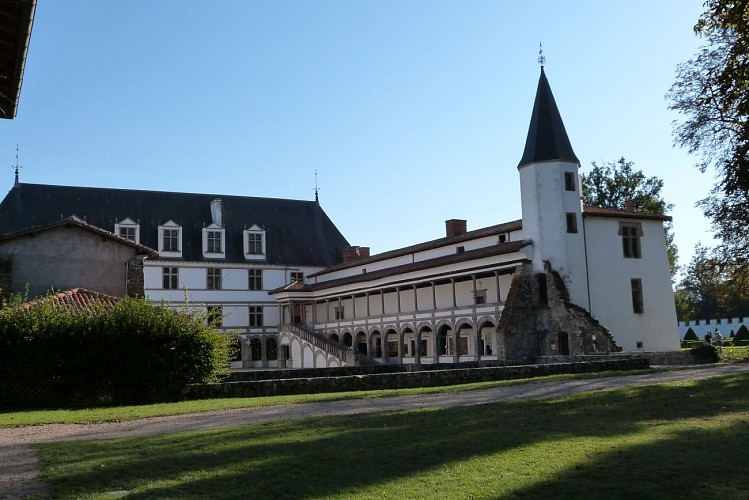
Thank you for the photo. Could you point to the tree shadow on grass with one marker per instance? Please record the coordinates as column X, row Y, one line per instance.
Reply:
column 348, row 455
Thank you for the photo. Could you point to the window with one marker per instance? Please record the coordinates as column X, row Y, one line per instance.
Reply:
column 171, row 278
column 128, row 229
column 214, row 316
column 631, row 234
column 569, row 181
column 169, row 240
column 128, row 233
column 571, row 223
column 214, row 242
column 637, row 303
column 460, row 249
column 502, row 238
column 256, row 316
column 254, row 243
column 255, row 279
column 338, row 312
column 480, row 297
column 213, row 279
column 297, row 276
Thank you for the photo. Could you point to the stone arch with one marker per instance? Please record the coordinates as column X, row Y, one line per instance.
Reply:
column 487, row 336
column 376, row 343
column 256, row 349
column 320, row 360
column 271, row 349
column 307, row 357
column 463, row 342
column 296, row 354
column 424, row 325
column 444, row 340
column 361, row 342
column 334, row 338
column 348, row 339
column 391, row 335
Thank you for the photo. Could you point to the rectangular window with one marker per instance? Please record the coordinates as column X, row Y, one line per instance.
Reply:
column 171, row 237
column 213, row 279
column 128, row 233
column 214, row 242
column 214, row 316
column 637, row 303
column 297, row 276
column 571, row 223
column 569, row 181
column 338, row 312
column 460, row 249
column 480, row 297
column 256, row 316
column 631, row 240
column 171, row 278
column 255, row 279
column 254, row 243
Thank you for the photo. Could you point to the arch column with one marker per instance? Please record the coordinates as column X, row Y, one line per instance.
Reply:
column 456, row 345
column 263, row 352
column 452, row 284
column 400, row 338
column 417, row 353
column 416, row 299
column 434, row 295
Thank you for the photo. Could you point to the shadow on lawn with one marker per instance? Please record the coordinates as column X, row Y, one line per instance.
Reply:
column 343, row 455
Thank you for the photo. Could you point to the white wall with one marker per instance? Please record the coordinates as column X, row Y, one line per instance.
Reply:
column 610, row 285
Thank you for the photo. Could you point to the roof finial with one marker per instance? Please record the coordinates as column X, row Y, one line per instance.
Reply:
column 18, row 167
column 317, row 189
column 541, row 58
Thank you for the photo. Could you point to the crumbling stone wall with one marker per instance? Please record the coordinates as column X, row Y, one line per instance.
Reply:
column 539, row 320
column 135, row 281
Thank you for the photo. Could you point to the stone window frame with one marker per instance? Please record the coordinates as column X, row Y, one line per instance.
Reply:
column 254, row 242
column 569, row 181
column 631, row 233
column 214, row 233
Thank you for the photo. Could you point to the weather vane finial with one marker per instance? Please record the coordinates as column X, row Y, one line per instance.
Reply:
column 317, row 189
column 18, row 167
column 541, row 58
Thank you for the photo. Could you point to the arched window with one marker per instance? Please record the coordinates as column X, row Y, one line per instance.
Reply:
column 271, row 349
column 256, row 350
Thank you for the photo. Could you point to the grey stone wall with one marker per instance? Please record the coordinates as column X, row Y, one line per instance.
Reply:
column 6, row 276
column 539, row 320
column 425, row 378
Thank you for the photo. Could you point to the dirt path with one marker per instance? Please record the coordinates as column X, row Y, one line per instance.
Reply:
column 19, row 467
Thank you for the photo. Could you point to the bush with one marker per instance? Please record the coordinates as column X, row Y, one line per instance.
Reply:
column 706, row 353
column 134, row 352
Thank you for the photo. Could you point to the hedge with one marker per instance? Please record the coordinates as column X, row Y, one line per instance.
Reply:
column 130, row 353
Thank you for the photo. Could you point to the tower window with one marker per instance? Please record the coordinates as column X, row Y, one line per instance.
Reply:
column 630, row 234
column 637, row 302
column 569, row 181
column 571, row 223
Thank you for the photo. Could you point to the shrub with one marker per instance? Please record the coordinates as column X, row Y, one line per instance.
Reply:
column 706, row 353
column 132, row 352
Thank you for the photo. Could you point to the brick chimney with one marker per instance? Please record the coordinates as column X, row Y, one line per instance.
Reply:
column 363, row 252
column 455, row 227
column 629, row 205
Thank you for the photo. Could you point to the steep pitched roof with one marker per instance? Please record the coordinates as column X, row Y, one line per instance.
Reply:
column 297, row 232
column 547, row 139
column 75, row 221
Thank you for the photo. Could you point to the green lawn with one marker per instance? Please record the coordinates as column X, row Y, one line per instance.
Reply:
column 678, row 440
column 122, row 413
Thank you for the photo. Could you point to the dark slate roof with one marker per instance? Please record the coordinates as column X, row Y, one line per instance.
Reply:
column 547, row 140
column 75, row 221
column 297, row 232
column 428, row 245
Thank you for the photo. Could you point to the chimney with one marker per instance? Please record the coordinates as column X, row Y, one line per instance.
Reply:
column 455, row 227
column 216, row 212
column 629, row 206
column 355, row 253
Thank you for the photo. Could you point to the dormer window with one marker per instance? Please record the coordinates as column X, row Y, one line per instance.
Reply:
column 254, row 243
column 214, row 243
column 128, row 229
column 170, row 239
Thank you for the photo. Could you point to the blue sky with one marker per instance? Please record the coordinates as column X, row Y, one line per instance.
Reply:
column 411, row 112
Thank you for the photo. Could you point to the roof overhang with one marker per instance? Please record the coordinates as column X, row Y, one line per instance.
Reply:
column 16, row 21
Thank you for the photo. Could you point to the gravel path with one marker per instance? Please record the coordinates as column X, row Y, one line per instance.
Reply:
column 19, row 466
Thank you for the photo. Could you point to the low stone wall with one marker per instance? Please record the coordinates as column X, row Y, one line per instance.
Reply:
column 673, row 358
column 403, row 380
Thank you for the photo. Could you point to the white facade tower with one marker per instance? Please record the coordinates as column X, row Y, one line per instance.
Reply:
column 551, row 197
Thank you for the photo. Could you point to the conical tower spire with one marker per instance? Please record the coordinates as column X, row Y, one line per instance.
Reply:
column 547, row 139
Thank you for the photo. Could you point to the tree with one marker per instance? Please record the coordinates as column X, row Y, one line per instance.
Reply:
column 712, row 287
column 613, row 184
column 712, row 91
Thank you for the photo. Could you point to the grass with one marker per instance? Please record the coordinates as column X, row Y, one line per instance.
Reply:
column 124, row 413
column 677, row 440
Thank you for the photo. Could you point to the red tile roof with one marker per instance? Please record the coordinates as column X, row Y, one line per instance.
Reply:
column 613, row 212
column 77, row 298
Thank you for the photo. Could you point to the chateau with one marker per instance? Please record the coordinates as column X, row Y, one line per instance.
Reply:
column 563, row 280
